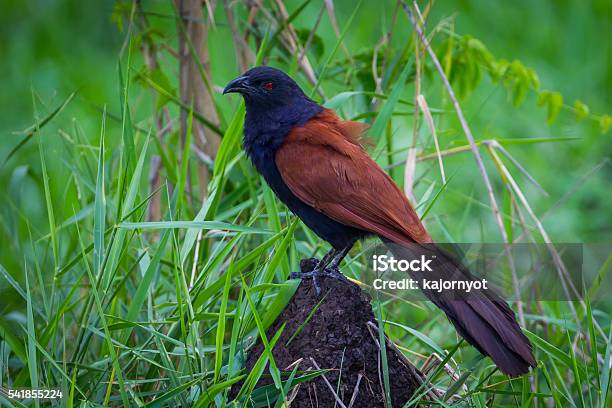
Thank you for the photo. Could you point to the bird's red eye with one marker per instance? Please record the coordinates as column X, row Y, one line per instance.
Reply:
column 268, row 86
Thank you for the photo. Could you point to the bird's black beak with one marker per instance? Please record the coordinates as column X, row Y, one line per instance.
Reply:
column 239, row 85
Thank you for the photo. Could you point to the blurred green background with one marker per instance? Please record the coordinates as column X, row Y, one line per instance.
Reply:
column 51, row 48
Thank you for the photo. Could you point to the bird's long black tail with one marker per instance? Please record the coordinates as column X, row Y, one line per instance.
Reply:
column 483, row 318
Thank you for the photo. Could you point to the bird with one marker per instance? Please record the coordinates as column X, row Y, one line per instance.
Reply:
column 316, row 164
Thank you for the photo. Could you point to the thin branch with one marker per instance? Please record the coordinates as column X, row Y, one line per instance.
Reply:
column 468, row 135
column 149, row 52
column 196, row 254
column 429, row 120
column 389, row 34
column 409, row 174
column 244, row 54
column 515, row 281
column 432, row 393
column 336, row 397
column 377, row 78
column 518, row 165
column 311, row 35
column 329, row 5
column 194, row 81
column 410, row 169
column 461, row 117
column 355, row 391
column 563, row 273
column 556, row 258
column 292, row 42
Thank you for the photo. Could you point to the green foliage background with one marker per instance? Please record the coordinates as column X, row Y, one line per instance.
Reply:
column 56, row 48
column 51, row 49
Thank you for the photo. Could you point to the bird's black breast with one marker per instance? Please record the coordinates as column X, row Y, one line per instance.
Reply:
column 261, row 148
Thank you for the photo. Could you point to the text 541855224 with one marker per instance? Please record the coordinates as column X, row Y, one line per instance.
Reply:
column 33, row 393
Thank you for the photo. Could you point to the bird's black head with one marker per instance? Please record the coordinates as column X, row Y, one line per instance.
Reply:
column 266, row 87
column 275, row 104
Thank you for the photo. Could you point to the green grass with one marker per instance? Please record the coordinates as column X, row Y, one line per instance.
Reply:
column 117, row 309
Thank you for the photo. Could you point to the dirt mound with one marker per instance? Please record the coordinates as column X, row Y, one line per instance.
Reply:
column 337, row 335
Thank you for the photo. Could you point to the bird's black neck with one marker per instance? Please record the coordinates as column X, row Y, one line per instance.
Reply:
column 265, row 128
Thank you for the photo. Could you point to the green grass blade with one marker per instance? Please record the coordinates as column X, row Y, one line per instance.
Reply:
column 335, row 49
column 601, row 277
column 266, row 47
column 185, row 159
column 211, row 392
column 435, row 198
column 107, row 334
column 577, row 377
column 221, row 326
column 199, row 225
column 6, row 333
column 31, row 332
column 100, row 205
column 422, row 337
column 49, row 205
column 259, row 366
column 162, row 400
column 280, row 254
column 551, row 350
column 32, row 130
column 274, row 371
column 134, row 185
column 310, row 315
column 606, row 375
column 144, row 284
column 386, row 112
column 382, row 340
column 127, row 134
column 201, row 118
column 592, row 341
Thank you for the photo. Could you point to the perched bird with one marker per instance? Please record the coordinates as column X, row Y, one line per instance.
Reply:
column 314, row 163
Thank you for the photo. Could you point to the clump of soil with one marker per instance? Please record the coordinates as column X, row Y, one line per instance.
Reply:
column 337, row 336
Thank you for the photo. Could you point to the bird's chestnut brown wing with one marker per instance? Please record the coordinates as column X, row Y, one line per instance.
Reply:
column 332, row 173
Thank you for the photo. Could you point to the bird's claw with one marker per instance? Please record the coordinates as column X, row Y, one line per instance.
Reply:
column 309, row 275
column 314, row 274
column 334, row 272
column 331, row 273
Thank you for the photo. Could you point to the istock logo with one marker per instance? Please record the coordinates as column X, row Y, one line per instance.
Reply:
column 385, row 263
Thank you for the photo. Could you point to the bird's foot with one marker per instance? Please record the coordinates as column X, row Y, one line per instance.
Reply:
column 334, row 272
column 330, row 273
column 309, row 270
